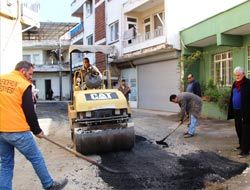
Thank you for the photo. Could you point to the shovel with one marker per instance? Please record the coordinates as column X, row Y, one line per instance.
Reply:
column 161, row 142
column 84, row 157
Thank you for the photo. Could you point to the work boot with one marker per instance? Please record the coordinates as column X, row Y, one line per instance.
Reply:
column 58, row 185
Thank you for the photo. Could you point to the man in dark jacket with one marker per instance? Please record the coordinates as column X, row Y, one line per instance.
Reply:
column 239, row 110
column 193, row 86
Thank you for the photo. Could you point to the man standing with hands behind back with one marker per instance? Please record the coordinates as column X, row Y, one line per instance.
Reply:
column 239, row 110
column 17, row 119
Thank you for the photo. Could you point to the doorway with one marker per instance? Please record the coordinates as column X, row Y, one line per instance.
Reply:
column 47, row 88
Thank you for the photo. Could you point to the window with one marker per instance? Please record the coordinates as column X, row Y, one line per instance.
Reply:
column 133, row 20
column 89, row 8
column 131, row 29
column 114, row 31
column 90, row 39
column 248, row 62
column 27, row 58
column 147, row 28
column 158, row 20
column 158, row 24
column 36, row 59
column 222, row 68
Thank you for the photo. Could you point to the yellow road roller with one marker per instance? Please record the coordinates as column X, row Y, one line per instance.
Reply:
column 100, row 117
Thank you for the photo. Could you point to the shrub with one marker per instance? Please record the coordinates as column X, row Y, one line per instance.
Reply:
column 220, row 95
column 224, row 98
column 212, row 94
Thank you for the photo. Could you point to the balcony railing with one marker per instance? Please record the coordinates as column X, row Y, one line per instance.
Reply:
column 134, row 38
column 32, row 6
column 77, row 30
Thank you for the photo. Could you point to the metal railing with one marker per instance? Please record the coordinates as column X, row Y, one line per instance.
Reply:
column 139, row 38
column 31, row 6
column 77, row 30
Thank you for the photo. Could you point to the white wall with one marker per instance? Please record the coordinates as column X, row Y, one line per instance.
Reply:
column 40, row 84
column 113, row 13
column 182, row 14
column 10, row 44
column 89, row 24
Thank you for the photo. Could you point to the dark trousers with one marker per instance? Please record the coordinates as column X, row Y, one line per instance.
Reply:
column 243, row 131
column 238, row 124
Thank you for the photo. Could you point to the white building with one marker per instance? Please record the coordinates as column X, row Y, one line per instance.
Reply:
column 15, row 17
column 42, row 47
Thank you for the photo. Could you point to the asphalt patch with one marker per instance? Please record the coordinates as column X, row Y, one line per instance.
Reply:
column 150, row 167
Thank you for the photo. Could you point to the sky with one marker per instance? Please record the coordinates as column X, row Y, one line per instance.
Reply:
column 56, row 11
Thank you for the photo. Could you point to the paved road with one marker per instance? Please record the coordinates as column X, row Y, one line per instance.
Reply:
column 187, row 163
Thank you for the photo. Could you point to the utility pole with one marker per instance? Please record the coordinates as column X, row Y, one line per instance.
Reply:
column 60, row 69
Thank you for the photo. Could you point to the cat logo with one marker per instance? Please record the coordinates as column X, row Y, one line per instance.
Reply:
column 101, row 96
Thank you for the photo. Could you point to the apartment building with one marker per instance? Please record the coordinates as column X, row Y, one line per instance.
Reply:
column 47, row 48
column 146, row 35
column 15, row 17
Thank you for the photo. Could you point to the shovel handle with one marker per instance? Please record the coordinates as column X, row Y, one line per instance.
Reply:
column 83, row 157
column 179, row 124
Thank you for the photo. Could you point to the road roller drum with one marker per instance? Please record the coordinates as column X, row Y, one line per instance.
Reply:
column 100, row 141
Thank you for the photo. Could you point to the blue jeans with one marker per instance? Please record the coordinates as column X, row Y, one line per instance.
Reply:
column 193, row 124
column 24, row 142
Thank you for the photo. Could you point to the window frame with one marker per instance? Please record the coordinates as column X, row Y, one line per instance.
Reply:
column 88, row 38
column 89, row 8
column 113, row 34
column 147, row 35
column 26, row 56
column 223, row 61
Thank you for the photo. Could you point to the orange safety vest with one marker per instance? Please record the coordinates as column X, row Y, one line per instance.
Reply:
column 12, row 87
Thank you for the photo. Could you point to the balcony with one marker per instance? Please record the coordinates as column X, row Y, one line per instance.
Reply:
column 140, row 5
column 30, row 14
column 142, row 40
column 77, row 8
column 77, row 30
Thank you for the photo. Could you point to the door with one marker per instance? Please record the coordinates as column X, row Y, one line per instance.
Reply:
column 132, row 24
column 47, row 88
column 156, row 82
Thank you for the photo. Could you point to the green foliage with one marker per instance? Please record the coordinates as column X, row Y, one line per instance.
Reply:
column 188, row 61
column 191, row 59
column 212, row 94
column 224, row 99
column 203, row 88
column 221, row 95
